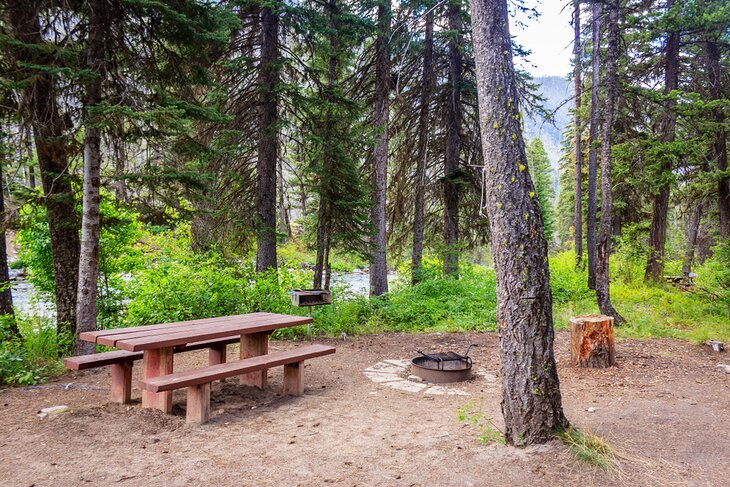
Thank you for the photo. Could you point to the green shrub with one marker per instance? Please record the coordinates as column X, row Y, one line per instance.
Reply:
column 566, row 282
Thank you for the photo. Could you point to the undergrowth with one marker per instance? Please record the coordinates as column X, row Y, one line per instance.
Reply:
column 588, row 448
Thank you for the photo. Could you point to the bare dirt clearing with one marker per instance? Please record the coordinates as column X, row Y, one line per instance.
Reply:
column 664, row 410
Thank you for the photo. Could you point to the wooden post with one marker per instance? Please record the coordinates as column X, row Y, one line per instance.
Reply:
column 198, row 405
column 591, row 341
column 122, row 382
column 294, row 379
column 254, row 345
column 157, row 362
column 217, row 355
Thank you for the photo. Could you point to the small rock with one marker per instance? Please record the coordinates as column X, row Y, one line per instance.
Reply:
column 414, row 378
column 591, row 410
column 716, row 345
column 724, row 367
column 53, row 411
column 443, row 435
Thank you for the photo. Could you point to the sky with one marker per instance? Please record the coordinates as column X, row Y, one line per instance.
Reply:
column 549, row 37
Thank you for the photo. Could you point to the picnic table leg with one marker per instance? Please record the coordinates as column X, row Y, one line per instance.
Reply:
column 157, row 362
column 122, row 382
column 254, row 345
column 217, row 355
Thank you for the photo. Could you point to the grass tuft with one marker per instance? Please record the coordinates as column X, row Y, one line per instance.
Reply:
column 588, row 448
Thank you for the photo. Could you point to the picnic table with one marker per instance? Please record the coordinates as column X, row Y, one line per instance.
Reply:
column 158, row 343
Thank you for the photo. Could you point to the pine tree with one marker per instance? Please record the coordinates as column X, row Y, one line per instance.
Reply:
column 541, row 173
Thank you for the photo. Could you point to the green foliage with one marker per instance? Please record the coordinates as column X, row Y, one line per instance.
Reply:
column 567, row 283
column 118, row 256
column 472, row 414
column 588, row 448
column 177, row 284
column 541, row 172
column 34, row 356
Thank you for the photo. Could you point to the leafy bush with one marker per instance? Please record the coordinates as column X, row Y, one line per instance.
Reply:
column 34, row 356
column 177, row 284
column 567, row 282
column 120, row 229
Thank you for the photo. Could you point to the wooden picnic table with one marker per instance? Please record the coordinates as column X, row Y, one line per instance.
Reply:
column 158, row 341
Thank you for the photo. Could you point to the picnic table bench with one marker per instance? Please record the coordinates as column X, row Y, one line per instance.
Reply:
column 157, row 344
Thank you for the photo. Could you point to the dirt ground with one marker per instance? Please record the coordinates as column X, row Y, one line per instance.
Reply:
column 665, row 410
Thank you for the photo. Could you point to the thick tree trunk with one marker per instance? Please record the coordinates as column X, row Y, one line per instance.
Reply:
column 603, row 250
column 577, row 137
column 91, row 221
column 531, row 402
column 658, row 230
column 379, row 266
column 714, row 75
column 593, row 141
column 6, row 296
column 53, row 147
column 423, row 119
column 693, row 227
column 453, row 144
column 268, row 143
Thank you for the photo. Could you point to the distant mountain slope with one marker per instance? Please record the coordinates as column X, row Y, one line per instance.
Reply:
column 556, row 90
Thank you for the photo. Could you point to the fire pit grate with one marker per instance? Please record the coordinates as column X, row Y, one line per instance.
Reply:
column 443, row 367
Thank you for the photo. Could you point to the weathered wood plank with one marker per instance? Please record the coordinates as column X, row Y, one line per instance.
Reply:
column 212, row 373
column 174, row 339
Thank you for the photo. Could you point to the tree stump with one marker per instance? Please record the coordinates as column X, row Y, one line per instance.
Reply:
column 591, row 341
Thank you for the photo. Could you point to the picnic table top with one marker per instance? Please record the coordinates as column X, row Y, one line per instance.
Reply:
column 163, row 335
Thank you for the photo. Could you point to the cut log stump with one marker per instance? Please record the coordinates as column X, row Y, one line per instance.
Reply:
column 591, row 341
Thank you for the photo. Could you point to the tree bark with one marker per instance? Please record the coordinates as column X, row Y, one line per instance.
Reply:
column 592, row 342
column 268, row 143
column 453, row 144
column 714, row 75
column 324, row 214
column 577, row 137
column 379, row 266
column 658, row 230
column 593, row 142
column 603, row 250
column 120, row 164
column 284, row 227
column 6, row 296
column 693, row 227
column 86, row 308
column 531, row 402
column 423, row 119
column 54, row 148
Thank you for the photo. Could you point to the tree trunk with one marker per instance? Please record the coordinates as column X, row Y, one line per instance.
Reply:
column 419, row 206
column 29, row 157
column 593, row 141
column 453, row 144
column 379, row 266
column 603, row 251
column 531, row 402
column 268, row 143
column 714, row 74
column 120, row 163
column 693, row 227
column 284, row 227
column 592, row 342
column 6, row 296
column 91, row 221
column 53, row 147
column 577, row 136
column 658, row 230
